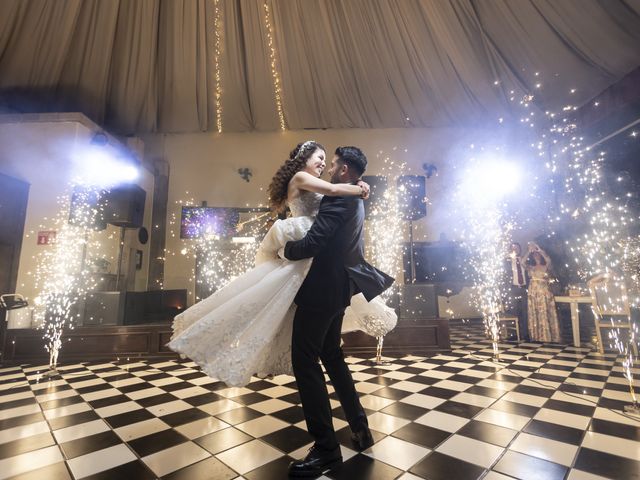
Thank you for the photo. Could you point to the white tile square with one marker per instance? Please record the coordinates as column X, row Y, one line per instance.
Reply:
column 79, row 431
column 271, row 405
column 366, row 387
column 126, row 382
column 249, row 456
column 552, row 450
column 424, row 401
column 261, row 426
column 145, row 393
column 397, row 375
column 396, row 452
column 14, row 396
column 233, row 392
column 189, row 392
column 473, row 399
column 56, row 395
column 580, row 475
column 613, row 445
column 174, row 458
column 563, row 418
column 201, row 427
column 384, row 423
column 169, row 407
column 471, row 450
column 503, row 419
column 19, row 411
column 442, row 421
column 26, row 462
column 107, row 392
column 117, row 409
column 606, row 414
column 141, row 429
column 374, row 402
column 100, row 460
column 436, row 374
column 23, row 431
column 219, row 406
column 525, row 399
column 496, row 384
column 409, row 386
column 161, row 382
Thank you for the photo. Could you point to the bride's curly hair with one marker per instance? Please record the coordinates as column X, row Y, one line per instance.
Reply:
column 280, row 181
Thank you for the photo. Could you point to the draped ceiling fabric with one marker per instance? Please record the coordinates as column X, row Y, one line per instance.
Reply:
column 148, row 65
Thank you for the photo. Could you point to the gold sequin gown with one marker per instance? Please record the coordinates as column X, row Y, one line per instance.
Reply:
column 542, row 316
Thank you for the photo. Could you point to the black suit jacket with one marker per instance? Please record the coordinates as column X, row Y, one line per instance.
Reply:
column 338, row 271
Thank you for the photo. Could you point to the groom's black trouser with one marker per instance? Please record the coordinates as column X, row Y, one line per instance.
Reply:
column 316, row 334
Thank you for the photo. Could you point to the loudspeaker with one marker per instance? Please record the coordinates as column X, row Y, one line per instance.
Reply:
column 412, row 196
column 104, row 308
column 419, row 301
column 378, row 186
column 125, row 206
column 87, row 208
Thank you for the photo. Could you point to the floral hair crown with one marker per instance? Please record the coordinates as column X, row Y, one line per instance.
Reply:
column 303, row 147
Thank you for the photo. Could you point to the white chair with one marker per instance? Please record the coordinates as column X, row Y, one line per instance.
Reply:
column 610, row 305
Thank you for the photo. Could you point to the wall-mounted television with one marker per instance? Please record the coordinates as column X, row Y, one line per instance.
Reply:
column 196, row 222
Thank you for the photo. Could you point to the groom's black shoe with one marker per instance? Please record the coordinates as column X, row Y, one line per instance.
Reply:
column 362, row 438
column 316, row 462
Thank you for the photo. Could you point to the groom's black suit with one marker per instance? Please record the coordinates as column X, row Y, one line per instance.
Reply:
column 338, row 271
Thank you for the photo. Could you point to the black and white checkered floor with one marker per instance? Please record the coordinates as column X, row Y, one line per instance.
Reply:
column 549, row 412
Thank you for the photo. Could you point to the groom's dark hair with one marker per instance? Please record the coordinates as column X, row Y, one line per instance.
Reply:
column 353, row 158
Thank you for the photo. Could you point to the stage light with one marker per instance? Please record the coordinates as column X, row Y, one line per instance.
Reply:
column 100, row 167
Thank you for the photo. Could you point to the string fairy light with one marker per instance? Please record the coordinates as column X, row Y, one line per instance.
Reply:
column 216, row 61
column 275, row 74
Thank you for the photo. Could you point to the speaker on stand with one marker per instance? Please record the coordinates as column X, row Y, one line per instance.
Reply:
column 378, row 185
column 125, row 209
column 412, row 198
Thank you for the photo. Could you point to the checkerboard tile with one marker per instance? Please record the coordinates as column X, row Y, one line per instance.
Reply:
column 549, row 410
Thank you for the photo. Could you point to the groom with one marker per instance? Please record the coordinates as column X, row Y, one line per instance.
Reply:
column 338, row 271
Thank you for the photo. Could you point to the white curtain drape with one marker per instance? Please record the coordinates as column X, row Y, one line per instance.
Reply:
column 148, row 65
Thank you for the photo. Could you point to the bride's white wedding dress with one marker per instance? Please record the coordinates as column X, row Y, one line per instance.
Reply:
column 244, row 329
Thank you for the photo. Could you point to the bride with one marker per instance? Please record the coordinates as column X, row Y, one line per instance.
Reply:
column 244, row 329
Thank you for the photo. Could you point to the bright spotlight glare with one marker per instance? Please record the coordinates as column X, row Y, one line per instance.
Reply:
column 492, row 180
column 97, row 167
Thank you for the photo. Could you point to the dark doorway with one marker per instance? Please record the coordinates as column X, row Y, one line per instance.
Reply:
column 14, row 194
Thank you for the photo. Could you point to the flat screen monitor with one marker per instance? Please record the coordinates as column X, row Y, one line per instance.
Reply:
column 196, row 222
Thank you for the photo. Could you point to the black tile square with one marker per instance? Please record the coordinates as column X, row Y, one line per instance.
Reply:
column 18, row 403
column 516, row 408
column 251, row 398
column 615, row 429
column 156, row 442
column 173, row 387
column 361, row 467
column 570, row 407
column 288, row 439
column 553, row 431
column 21, row 420
column 519, row 465
column 291, row 398
column 238, row 415
column 27, row 444
column 423, row 380
column 537, row 391
column 378, row 380
column 465, row 379
column 260, row 385
column 422, row 435
column 184, row 416
column 439, row 392
column 61, row 402
column 134, row 387
column 459, row 409
column 92, row 443
column 487, row 432
column 128, row 418
column 275, row 470
column 344, row 437
column 222, row 440
column 207, row 469
column 94, row 388
column 156, row 400
column 203, row 399
column 606, row 465
column 404, row 410
column 70, row 420
column 391, row 393
column 438, row 466
column 108, row 401
column 485, row 391
column 292, row 414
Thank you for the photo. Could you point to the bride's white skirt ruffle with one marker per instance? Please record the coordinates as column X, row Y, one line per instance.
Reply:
column 245, row 328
